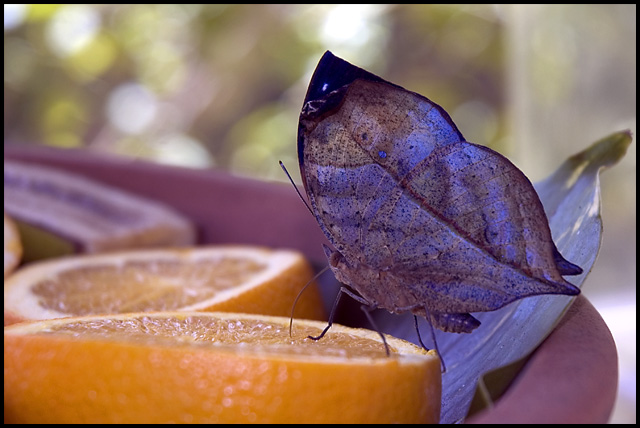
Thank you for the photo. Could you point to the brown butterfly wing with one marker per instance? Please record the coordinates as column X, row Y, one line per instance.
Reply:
column 420, row 217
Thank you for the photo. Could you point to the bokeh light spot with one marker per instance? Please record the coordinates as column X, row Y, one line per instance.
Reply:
column 94, row 59
column 349, row 24
column 182, row 150
column 131, row 108
column 72, row 28
column 63, row 122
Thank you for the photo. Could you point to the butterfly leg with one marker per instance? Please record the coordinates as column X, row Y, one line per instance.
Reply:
column 415, row 323
column 366, row 308
column 433, row 337
column 333, row 311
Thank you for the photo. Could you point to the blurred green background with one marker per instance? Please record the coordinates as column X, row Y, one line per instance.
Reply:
column 222, row 86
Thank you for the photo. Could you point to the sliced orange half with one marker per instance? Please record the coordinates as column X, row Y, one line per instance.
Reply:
column 12, row 246
column 212, row 367
column 214, row 278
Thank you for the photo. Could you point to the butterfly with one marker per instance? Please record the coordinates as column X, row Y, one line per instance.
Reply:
column 420, row 219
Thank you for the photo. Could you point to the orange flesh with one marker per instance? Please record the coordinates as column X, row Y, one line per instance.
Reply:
column 158, row 285
column 229, row 333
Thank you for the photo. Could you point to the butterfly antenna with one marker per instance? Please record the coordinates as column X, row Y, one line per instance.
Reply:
column 296, row 187
column 293, row 308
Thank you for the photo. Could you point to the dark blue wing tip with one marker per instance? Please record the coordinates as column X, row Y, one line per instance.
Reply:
column 333, row 73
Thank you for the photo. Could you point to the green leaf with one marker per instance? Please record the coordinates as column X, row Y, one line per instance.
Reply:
column 571, row 197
